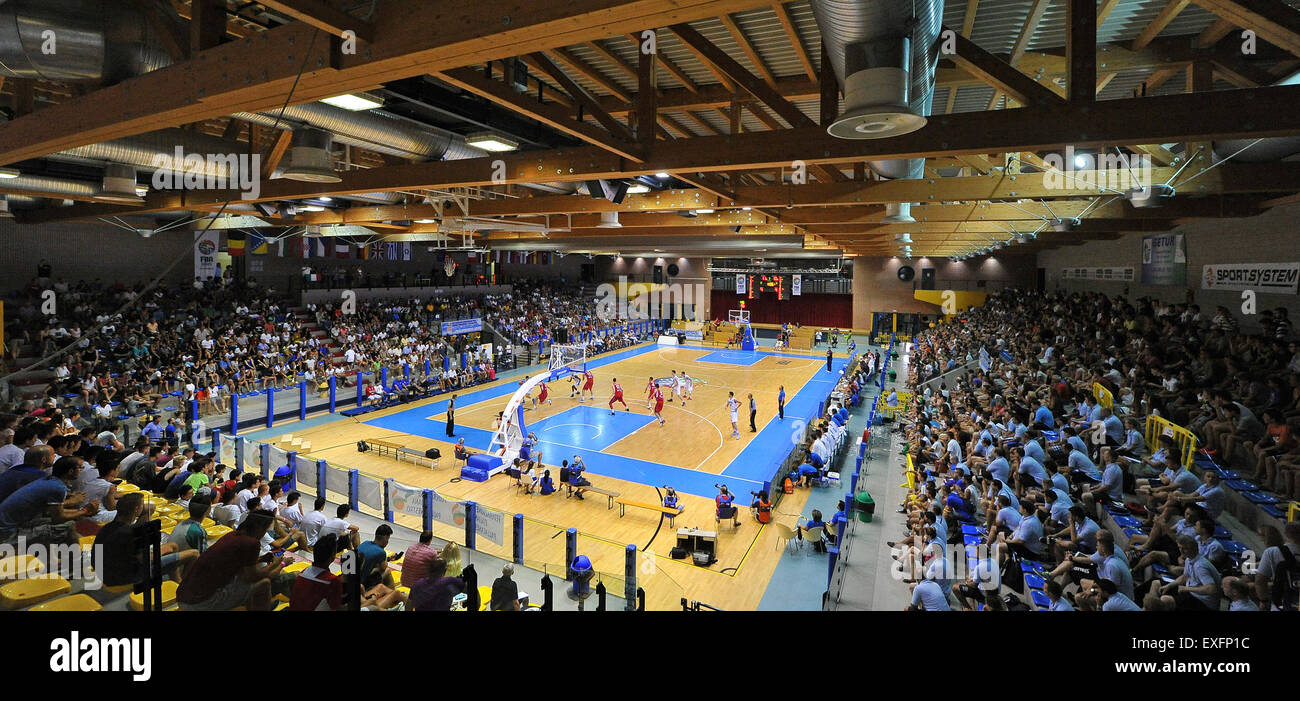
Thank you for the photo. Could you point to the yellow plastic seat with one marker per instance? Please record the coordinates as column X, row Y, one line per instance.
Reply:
column 86, row 541
column 207, row 523
column 484, row 597
column 296, row 567
column 16, row 567
column 127, row 488
column 168, row 597
column 74, row 602
column 216, row 532
column 173, row 511
column 25, row 592
column 168, row 525
column 281, row 606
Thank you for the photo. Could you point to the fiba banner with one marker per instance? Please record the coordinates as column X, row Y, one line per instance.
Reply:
column 740, row 284
column 205, row 253
column 796, row 285
column 455, row 328
column 1164, row 260
column 1273, row 278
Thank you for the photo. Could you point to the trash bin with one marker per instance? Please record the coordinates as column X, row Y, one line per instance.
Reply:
column 893, row 375
column 582, row 573
column 866, row 506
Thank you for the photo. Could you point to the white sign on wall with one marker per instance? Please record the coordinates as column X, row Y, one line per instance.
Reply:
column 1275, row 278
column 796, row 285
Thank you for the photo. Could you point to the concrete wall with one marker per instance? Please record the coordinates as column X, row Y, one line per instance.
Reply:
column 1269, row 237
column 876, row 287
column 89, row 250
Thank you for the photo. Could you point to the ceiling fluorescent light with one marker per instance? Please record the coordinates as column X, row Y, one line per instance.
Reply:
column 488, row 141
column 9, row 173
column 353, row 103
column 704, row 211
column 638, row 189
column 311, row 208
column 425, row 221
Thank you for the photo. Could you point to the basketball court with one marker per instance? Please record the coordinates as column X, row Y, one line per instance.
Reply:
column 627, row 453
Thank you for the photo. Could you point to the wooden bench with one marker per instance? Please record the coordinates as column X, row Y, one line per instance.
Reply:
column 400, row 452
column 668, row 511
column 588, row 488
column 385, row 447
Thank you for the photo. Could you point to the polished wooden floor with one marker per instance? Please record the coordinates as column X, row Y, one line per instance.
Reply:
column 696, row 436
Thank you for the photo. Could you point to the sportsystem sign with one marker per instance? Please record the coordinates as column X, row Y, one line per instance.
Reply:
column 1273, row 278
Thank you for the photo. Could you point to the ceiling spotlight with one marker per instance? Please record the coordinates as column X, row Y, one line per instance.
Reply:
column 354, row 103
column 1081, row 162
column 1150, row 197
column 489, row 141
column 662, row 175
column 745, row 209
column 325, row 199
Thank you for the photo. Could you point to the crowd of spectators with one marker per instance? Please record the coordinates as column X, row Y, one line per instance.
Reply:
column 1023, row 471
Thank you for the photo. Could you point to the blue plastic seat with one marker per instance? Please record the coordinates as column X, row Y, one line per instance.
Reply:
column 1034, row 581
column 1260, row 497
column 972, row 540
column 1127, row 522
column 1130, row 532
column 1040, row 599
column 1242, row 485
column 1273, row 511
column 971, row 530
column 1222, row 533
column 1232, row 547
column 1031, row 566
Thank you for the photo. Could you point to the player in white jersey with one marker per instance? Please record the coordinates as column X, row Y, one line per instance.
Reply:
column 733, row 408
column 687, row 387
column 575, row 387
column 672, row 384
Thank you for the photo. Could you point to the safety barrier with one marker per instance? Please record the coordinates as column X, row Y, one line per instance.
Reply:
column 1183, row 438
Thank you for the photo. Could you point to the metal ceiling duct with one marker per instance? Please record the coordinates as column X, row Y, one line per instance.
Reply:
column 119, row 184
column 898, row 213
column 42, row 186
column 147, row 152
column 370, row 130
column 310, row 157
column 79, row 40
column 884, row 53
column 609, row 220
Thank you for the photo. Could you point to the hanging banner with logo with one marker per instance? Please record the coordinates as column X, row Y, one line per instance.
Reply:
column 491, row 525
column 1164, row 260
column 455, row 328
column 205, row 253
column 406, row 500
column 796, row 285
column 1271, row 278
column 740, row 284
column 451, row 513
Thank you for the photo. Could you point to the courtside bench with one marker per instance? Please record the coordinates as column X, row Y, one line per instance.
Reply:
column 668, row 511
column 401, row 452
column 588, row 488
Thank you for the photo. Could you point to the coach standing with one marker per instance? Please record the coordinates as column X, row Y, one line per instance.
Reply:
column 451, row 416
column 829, row 353
column 753, row 411
column 780, row 403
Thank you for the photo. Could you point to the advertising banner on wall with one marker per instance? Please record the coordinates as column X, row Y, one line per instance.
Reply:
column 1164, row 260
column 205, row 253
column 454, row 328
column 1271, row 278
column 1124, row 274
column 796, row 285
column 740, row 284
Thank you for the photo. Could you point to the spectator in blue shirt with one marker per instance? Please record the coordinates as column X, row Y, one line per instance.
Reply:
column 43, row 511
column 1111, row 487
column 1043, row 417
column 1080, row 534
column 1057, row 602
column 1113, row 426
column 1027, row 539
column 152, row 430
column 1112, row 599
column 928, row 596
column 374, row 559
column 1072, row 439
column 999, row 467
column 37, row 462
column 1033, row 471
column 1079, row 462
column 1034, row 449
column 1007, row 519
column 1209, row 495
column 1196, row 589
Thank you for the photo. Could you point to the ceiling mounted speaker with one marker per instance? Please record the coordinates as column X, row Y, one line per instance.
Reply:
column 310, row 157
column 673, row 270
column 609, row 220
column 876, row 77
column 906, row 273
column 119, row 185
column 903, row 238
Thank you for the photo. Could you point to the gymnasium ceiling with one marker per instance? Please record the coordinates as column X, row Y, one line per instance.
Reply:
column 737, row 94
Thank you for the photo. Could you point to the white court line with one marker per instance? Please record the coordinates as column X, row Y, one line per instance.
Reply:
column 599, row 430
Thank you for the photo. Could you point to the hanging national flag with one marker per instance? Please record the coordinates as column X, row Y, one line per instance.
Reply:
column 363, row 252
column 281, row 248
column 235, row 243
column 256, row 244
column 342, row 250
column 390, row 250
column 406, row 251
column 319, row 248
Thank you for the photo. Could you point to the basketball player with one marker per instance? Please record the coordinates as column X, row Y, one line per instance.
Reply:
column 682, row 379
column 650, row 388
column 618, row 397
column 672, row 384
column 575, row 386
column 542, row 395
column 733, row 408
column 589, row 381
column 658, row 397
column 690, row 385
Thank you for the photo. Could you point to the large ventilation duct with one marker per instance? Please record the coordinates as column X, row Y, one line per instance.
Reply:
column 372, row 131
column 41, row 186
column 884, row 54
column 78, row 40
column 149, row 152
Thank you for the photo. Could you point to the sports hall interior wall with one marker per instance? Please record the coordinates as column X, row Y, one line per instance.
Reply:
column 87, row 250
column 876, row 287
column 1268, row 237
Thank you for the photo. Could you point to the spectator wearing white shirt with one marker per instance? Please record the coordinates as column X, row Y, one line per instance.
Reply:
column 348, row 534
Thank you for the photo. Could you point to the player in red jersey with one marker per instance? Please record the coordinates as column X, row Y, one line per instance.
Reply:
column 618, row 397
column 659, row 404
column 589, row 381
column 542, row 395
column 650, row 388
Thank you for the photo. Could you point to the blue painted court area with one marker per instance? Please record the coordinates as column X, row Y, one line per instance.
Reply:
column 586, row 426
column 593, row 428
column 732, row 357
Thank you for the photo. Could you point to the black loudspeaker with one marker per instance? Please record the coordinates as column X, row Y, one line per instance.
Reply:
column 659, row 275
column 927, row 278
column 673, row 270
column 432, row 453
column 906, row 273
